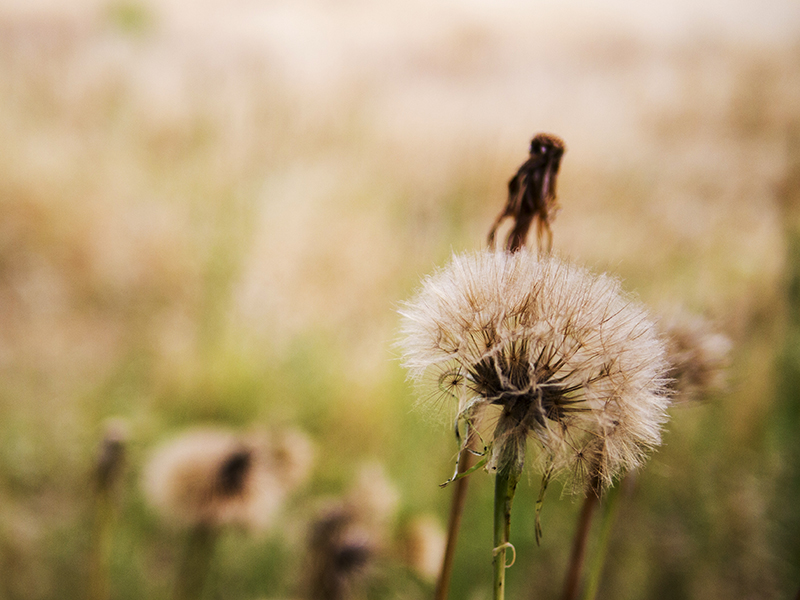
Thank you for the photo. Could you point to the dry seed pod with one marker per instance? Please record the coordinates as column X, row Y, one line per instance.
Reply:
column 349, row 535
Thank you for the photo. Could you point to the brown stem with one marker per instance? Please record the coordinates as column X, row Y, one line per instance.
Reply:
column 454, row 523
column 576, row 559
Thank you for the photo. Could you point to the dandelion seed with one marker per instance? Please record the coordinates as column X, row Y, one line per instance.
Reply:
column 561, row 355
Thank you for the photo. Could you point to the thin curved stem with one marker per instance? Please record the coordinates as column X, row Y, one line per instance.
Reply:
column 466, row 462
column 101, row 545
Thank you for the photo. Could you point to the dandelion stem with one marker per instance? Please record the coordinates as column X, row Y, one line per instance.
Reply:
column 610, row 506
column 460, row 486
column 505, row 485
column 101, row 545
column 575, row 569
column 107, row 474
column 453, row 526
column 196, row 560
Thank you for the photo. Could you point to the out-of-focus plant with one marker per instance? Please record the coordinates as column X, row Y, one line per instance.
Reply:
column 108, row 470
column 348, row 535
column 209, row 479
column 697, row 358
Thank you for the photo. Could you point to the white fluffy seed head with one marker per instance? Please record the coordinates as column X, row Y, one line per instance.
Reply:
column 562, row 353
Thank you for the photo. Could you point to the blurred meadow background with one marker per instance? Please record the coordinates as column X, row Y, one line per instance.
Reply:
column 210, row 212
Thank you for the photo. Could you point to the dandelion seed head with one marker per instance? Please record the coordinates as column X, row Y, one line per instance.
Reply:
column 698, row 356
column 373, row 496
column 562, row 355
column 216, row 477
column 289, row 453
column 341, row 553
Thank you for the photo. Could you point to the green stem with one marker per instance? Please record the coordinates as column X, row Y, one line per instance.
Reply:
column 106, row 481
column 101, row 546
column 196, row 561
column 505, row 485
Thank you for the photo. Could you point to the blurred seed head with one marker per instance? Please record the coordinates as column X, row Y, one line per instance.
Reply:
column 215, row 477
column 289, row 453
column 423, row 545
column 341, row 551
column 348, row 535
column 372, row 497
column 698, row 356
column 562, row 354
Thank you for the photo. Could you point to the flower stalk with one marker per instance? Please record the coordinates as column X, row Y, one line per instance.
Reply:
column 578, row 554
column 610, row 507
column 108, row 471
column 460, row 487
column 102, row 530
column 504, row 488
column 193, row 570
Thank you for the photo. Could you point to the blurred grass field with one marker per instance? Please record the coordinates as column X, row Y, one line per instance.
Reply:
column 210, row 212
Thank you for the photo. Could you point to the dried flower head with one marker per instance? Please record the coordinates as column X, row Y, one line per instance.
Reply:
column 532, row 194
column 215, row 477
column 697, row 355
column 561, row 353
